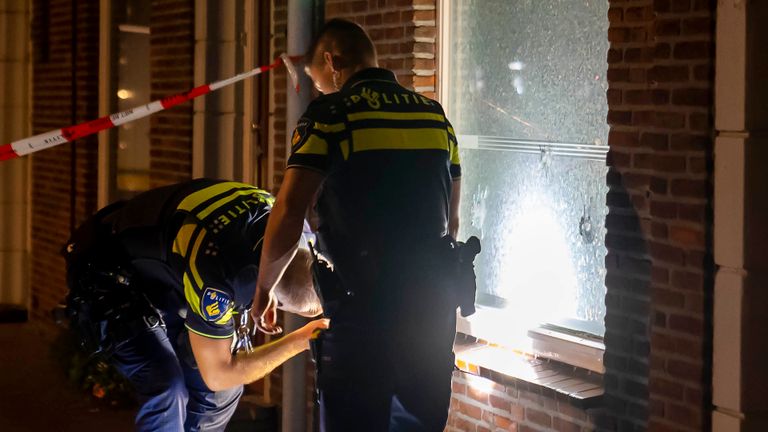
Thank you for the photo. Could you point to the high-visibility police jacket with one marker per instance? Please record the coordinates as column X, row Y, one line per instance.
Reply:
column 199, row 239
column 388, row 155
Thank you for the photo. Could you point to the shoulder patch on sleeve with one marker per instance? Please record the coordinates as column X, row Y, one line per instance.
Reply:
column 301, row 133
column 214, row 304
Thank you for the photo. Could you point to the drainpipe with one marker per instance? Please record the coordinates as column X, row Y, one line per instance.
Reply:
column 294, row 371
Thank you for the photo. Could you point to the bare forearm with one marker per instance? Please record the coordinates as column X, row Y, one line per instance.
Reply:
column 245, row 368
column 280, row 242
column 255, row 365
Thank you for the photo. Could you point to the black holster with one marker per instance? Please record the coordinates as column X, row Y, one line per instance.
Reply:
column 465, row 284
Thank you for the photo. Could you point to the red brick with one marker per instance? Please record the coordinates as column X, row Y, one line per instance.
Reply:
column 619, row 117
column 680, row 5
column 654, row 141
column 669, row 73
column 477, row 395
column 693, row 50
column 615, row 14
column 671, row 164
column 500, row 403
column 665, row 387
column 424, row 15
column 690, row 188
column 686, row 236
column 614, row 96
column 698, row 25
column 665, row 297
column 662, row 51
column 538, row 417
column 504, row 423
column 686, row 280
column 669, row 27
column 617, row 75
column 692, row 97
column 562, row 425
column 685, row 415
column 642, row 13
column 686, row 371
column 669, row 120
column 692, row 212
column 665, row 252
column 688, row 142
column 470, row 410
column 700, row 122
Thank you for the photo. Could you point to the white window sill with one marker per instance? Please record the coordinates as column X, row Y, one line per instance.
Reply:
column 497, row 328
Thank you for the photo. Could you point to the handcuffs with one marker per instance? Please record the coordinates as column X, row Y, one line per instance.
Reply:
column 242, row 341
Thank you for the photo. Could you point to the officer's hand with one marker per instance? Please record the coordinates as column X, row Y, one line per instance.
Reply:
column 264, row 312
column 311, row 330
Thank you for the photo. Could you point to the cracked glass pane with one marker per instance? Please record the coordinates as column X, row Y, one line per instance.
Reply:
column 526, row 95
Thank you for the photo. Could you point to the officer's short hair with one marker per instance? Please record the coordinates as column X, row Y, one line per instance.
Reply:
column 345, row 38
column 295, row 292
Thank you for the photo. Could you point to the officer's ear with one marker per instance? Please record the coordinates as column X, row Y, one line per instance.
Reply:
column 334, row 61
column 328, row 60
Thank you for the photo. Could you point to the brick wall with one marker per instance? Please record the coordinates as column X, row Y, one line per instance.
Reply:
column 404, row 33
column 172, row 71
column 51, row 109
column 484, row 406
column 659, row 228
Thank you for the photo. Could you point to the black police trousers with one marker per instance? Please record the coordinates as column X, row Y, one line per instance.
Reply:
column 387, row 361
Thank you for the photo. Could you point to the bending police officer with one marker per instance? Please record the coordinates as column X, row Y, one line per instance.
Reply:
column 159, row 283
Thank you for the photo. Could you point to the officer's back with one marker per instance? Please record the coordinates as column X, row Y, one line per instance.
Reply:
column 382, row 164
column 387, row 152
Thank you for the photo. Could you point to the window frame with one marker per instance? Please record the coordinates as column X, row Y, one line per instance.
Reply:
column 564, row 347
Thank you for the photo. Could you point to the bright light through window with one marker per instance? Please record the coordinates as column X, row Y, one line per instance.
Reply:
column 526, row 93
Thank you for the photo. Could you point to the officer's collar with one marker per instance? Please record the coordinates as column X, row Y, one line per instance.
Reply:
column 370, row 74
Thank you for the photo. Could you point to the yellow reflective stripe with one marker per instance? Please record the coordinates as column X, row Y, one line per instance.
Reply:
column 400, row 139
column 190, row 293
column 314, row 145
column 371, row 115
column 225, row 319
column 193, row 259
column 345, row 149
column 229, row 198
column 324, row 127
column 207, row 335
column 183, row 237
column 195, row 199
column 455, row 154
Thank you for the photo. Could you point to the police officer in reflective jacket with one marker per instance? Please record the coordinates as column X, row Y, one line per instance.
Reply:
column 379, row 166
column 161, row 284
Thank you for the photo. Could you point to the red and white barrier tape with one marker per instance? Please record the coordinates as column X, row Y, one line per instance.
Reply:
column 53, row 138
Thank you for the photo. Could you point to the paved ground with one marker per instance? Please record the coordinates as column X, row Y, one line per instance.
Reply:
column 36, row 396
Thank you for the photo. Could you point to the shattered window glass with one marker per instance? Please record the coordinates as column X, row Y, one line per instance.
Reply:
column 526, row 95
